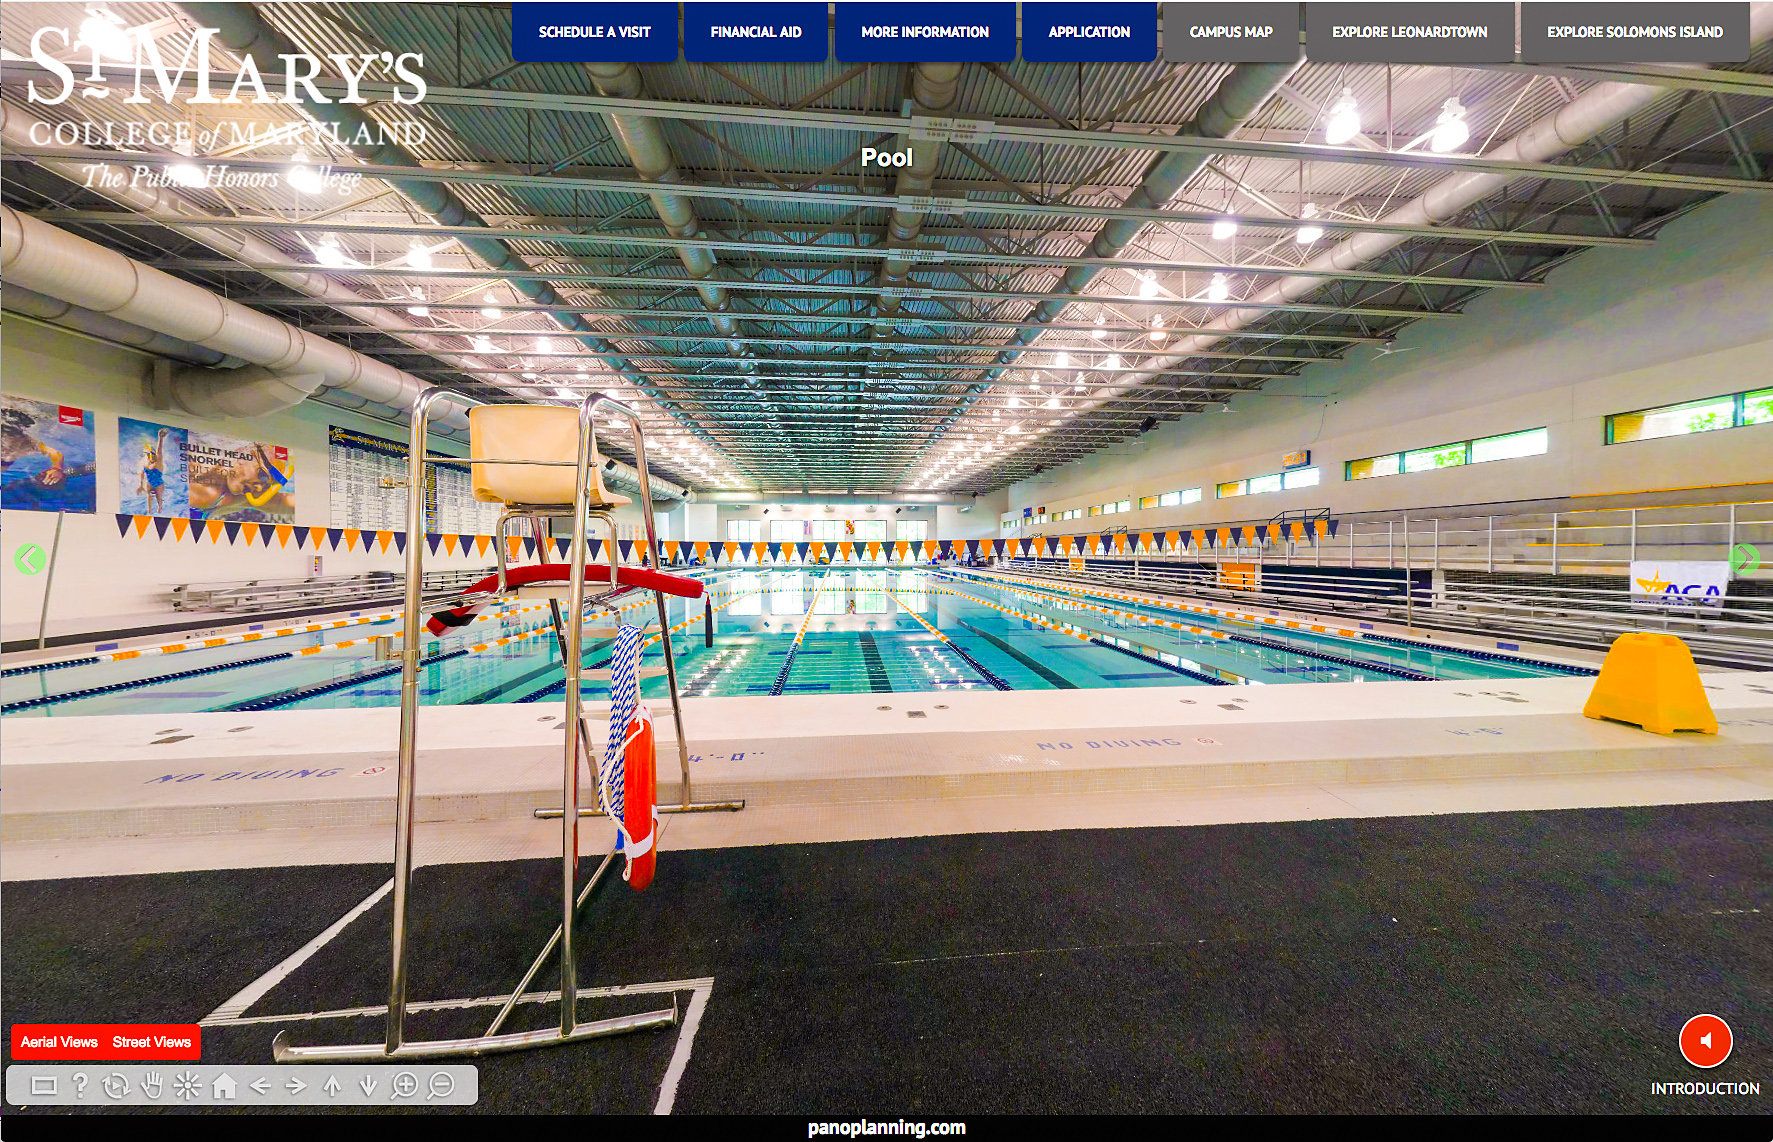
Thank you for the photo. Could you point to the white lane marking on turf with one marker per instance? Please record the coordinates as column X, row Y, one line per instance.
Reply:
column 255, row 991
column 706, row 983
column 686, row 1038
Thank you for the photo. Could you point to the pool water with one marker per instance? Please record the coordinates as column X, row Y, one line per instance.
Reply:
column 859, row 632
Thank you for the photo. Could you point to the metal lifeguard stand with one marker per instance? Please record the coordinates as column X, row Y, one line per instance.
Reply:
column 588, row 500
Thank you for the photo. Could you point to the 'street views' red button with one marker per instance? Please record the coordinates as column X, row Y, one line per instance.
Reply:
column 1706, row 1041
column 120, row 1041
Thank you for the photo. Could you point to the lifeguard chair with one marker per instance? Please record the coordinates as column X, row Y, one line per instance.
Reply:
column 541, row 462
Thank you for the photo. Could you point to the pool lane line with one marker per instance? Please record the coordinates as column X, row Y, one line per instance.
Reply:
column 1250, row 640
column 1198, row 676
column 196, row 644
column 156, row 679
column 781, row 682
column 1316, row 628
column 996, row 682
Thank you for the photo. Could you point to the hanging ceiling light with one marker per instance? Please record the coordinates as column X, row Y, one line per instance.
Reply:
column 419, row 310
column 1223, row 229
column 1308, row 233
column 1158, row 332
column 1344, row 122
column 304, row 177
column 566, row 394
column 102, row 31
column 1450, row 130
column 484, row 345
column 188, row 175
column 544, row 345
column 1099, row 332
column 1111, row 362
column 1219, row 289
column 1052, row 402
column 489, row 310
column 327, row 253
column 1062, row 361
column 1148, row 285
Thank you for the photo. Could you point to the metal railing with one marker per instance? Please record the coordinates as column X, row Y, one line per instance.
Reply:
column 1586, row 612
column 252, row 596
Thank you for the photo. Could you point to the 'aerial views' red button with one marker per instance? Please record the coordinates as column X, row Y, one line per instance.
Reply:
column 106, row 1041
column 1706, row 1041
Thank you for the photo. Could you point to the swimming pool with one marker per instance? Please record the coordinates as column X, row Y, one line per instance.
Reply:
column 813, row 631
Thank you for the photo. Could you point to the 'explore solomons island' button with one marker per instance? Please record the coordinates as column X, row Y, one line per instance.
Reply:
column 121, row 1041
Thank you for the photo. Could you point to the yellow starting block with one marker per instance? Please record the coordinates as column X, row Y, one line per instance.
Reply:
column 1649, row 680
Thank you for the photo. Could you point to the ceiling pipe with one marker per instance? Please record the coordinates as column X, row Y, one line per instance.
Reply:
column 934, row 89
column 644, row 139
column 51, row 261
column 242, row 30
column 46, row 260
column 1575, row 123
column 228, row 394
column 40, row 306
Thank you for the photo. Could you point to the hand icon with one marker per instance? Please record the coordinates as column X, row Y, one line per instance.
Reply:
column 151, row 1084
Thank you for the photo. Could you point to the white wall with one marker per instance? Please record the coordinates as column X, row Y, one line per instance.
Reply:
column 1613, row 331
column 100, row 574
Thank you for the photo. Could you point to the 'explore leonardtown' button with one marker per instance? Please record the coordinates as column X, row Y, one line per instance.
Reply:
column 110, row 1041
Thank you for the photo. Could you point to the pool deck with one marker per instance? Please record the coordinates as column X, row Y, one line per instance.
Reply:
column 84, row 796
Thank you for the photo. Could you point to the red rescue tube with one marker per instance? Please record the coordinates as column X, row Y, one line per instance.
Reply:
column 641, row 577
column 640, row 821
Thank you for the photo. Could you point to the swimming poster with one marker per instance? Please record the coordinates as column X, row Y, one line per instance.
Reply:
column 178, row 472
column 47, row 461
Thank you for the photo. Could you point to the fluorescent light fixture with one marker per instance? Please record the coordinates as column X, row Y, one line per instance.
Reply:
column 189, row 175
column 304, row 177
column 1224, row 228
column 102, row 31
column 1308, row 233
column 1344, row 122
column 1450, row 130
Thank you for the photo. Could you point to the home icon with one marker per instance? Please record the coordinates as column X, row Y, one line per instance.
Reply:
column 224, row 1087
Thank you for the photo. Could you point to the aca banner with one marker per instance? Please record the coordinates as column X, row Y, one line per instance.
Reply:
column 1680, row 583
column 48, row 459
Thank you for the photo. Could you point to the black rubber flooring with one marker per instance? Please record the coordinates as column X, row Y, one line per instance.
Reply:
column 1506, row 962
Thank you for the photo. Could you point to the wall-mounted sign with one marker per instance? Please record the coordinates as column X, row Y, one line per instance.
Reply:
column 1027, row 513
column 48, row 457
column 1293, row 460
column 167, row 471
column 1680, row 583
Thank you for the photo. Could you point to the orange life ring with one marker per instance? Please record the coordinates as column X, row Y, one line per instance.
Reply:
column 640, row 819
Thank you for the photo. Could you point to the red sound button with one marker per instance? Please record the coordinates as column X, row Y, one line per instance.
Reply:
column 1706, row 1041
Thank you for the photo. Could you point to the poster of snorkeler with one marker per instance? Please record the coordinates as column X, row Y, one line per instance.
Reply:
column 47, row 461
column 176, row 472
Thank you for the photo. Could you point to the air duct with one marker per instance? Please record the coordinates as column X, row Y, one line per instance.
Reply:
column 224, row 394
column 47, row 260
column 934, row 89
column 30, row 303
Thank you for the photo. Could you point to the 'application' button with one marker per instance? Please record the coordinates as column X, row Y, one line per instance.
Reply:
column 44, row 1041
column 1706, row 1041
